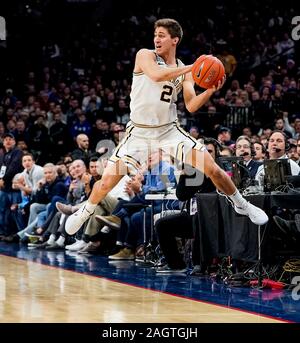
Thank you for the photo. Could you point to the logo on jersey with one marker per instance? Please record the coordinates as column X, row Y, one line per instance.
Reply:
column 178, row 83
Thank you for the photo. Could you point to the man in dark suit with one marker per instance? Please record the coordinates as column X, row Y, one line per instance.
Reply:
column 10, row 165
column 245, row 149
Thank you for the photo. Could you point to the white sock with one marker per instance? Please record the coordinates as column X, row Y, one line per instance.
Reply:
column 60, row 241
column 237, row 199
column 51, row 239
column 90, row 207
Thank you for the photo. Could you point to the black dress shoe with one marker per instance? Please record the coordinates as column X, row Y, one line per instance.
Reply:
column 24, row 240
column 39, row 245
column 54, row 246
column 288, row 227
column 12, row 239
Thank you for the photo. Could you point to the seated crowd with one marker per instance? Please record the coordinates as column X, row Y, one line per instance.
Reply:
column 36, row 200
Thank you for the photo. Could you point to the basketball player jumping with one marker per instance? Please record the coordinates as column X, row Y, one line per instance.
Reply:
column 158, row 77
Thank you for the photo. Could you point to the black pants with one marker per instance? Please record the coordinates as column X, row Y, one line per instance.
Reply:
column 167, row 229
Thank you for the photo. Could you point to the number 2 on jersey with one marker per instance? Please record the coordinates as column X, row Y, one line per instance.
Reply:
column 166, row 94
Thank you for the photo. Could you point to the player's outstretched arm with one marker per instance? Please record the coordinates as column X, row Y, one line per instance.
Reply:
column 145, row 62
column 192, row 101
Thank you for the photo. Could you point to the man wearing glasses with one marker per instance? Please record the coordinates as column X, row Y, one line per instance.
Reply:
column 245, row 149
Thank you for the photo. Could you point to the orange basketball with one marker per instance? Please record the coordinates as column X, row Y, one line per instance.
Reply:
column 207, row 71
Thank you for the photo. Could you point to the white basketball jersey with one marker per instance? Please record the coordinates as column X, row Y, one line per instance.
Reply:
column 154, row 103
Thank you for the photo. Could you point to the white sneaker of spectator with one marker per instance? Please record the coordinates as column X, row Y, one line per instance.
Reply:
column 70, row 246
column 67, row 247
column 105, row 229
column 78, row 246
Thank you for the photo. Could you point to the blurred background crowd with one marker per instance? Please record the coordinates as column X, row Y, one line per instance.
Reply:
column 66, row 68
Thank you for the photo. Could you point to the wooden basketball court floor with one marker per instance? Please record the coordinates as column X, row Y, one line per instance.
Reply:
column 38, row 286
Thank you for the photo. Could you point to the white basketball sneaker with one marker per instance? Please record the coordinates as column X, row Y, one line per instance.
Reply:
column 256, row 214
column 76, row 220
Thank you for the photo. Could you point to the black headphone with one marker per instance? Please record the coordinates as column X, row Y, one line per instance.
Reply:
column 215, row 143
column 252, row 150
column 287, row 144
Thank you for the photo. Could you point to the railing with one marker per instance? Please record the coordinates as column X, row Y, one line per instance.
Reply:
column 236, row 118
column 239, row 117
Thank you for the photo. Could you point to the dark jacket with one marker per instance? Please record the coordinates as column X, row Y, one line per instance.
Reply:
column 80, row 154
column 49, row 190
column 252, row 167
column 12, row 160
column 85, row 156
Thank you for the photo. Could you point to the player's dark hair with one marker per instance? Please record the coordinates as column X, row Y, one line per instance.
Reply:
column 173, row 27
